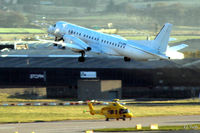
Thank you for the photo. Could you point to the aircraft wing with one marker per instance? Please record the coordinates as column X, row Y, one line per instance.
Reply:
column 178, row 47
column 149, row 51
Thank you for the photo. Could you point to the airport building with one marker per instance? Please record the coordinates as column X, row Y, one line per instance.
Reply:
column 102, row 78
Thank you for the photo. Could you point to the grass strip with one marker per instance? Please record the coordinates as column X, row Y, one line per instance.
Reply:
column 21, row 30
column 161, row 128
column 13, row 114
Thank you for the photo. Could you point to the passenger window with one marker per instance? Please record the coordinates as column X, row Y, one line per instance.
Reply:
column 105, row 41
column 97, row 39
column 111, row 111
column 121, row 111
column 110, row 42
column 83, row 35
column 113, row 43
column 79, row 34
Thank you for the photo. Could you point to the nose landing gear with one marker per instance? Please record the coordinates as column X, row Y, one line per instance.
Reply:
column 82, row 57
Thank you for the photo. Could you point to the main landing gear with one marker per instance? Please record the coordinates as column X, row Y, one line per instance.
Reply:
column 82, row 57
column 127, row 59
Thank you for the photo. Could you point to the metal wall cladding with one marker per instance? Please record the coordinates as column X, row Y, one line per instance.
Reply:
column 70, row 76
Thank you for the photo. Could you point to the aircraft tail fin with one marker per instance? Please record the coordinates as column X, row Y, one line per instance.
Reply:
column 161, row 40
column 92, row 112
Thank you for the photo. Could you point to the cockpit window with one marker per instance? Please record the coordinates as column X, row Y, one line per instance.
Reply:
column 123, row 111
column 54, row 25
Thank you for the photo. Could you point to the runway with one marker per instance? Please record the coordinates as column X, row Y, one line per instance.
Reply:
column 77, row 126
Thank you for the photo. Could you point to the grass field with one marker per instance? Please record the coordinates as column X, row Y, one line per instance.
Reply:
column 11, row 114
column 21, row 30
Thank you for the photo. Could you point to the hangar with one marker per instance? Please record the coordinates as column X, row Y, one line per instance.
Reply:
column 102, row 78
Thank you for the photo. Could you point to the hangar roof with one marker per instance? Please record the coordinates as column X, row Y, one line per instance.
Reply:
column 67, row 59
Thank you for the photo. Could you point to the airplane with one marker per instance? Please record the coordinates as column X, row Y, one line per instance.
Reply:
column 114, row 110
column 82, row 40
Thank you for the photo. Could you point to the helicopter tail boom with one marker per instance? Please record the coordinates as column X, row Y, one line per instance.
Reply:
column 92, row 112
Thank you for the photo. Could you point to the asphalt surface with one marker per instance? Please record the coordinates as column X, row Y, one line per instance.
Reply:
column 77, row 126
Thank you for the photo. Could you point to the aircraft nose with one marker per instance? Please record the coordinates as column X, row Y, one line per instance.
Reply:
column 130, row 115
column 50, row 30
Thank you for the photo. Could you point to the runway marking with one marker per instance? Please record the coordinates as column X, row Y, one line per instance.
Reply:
column 6, row 128
column 51, row 56
column 191, row 63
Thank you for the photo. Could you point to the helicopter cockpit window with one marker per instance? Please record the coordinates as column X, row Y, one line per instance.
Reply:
column 115, row 111
column 123, row 111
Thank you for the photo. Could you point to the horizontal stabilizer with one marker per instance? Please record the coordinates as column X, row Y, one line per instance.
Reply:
column 178, row 47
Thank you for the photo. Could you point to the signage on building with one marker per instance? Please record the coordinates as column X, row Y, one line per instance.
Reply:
column 37, row 76
column 88, row 74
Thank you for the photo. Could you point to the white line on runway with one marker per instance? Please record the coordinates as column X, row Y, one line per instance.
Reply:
column 191, row 63
column 51, row 56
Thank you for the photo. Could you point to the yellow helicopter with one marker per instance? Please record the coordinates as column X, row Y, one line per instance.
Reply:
column 114, row 110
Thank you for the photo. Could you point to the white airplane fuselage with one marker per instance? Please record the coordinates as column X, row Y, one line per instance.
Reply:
column 103, row 43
